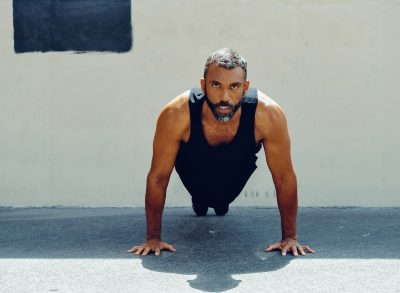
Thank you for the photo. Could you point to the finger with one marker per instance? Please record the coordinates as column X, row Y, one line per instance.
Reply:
column 301, row 250
column 139, row 251
column 157, row 251
column 166, row 246
column 146, row 251
column 171, row 248
column 309, row 249
column 284, row 250
column 273, row 246
column 294, row 250
column 132, row 249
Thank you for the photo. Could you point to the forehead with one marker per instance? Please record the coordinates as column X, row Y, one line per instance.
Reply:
column 223, row 75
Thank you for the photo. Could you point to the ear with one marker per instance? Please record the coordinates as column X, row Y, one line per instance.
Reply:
column 202, row 85
column 246, row 85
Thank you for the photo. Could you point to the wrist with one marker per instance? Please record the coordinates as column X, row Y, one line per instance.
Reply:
column 294, row 237
column 153, row 236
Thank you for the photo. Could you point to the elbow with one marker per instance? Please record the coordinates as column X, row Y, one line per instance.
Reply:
column 157, row 180
column 289, row 177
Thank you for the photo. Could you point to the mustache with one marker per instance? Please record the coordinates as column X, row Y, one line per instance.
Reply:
column 223, row 104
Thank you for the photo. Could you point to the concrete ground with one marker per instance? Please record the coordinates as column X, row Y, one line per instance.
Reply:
column 84, row 250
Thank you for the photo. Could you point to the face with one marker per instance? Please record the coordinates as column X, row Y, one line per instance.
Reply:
column 225, row 89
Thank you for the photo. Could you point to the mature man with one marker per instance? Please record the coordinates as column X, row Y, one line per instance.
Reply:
column 213, row 148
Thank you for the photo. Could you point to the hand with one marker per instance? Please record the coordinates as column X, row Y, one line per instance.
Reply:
column 153, row 244
column 289, row 244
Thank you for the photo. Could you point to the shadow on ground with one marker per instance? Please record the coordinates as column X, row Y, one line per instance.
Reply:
column 212, row 248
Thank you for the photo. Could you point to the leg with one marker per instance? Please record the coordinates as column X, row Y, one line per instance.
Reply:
column 221, row 210
column 206, row 193
column 193, row 185
column 199, row 207
column 231, row 192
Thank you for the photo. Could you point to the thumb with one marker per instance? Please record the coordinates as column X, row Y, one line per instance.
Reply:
column 171, row 248
column 272, row 246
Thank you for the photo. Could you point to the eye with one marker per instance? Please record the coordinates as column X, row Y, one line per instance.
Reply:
column 235, row 86
column 214, row 84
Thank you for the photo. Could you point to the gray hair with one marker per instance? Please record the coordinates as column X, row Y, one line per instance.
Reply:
column 226, row 58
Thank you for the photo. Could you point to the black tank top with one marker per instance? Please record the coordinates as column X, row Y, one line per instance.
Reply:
column 197, row 162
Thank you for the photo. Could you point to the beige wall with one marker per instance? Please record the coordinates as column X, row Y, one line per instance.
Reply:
column 77, row 129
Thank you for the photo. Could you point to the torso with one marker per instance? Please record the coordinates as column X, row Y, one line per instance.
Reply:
column 217, row 133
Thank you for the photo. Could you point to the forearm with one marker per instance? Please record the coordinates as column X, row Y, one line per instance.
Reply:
column 287, row 202
column 154, row 205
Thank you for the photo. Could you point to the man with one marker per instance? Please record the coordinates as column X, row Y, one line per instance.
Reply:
column 213, row 148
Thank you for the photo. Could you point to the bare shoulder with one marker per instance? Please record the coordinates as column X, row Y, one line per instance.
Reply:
column 269, row 116
column 170, row 129
column 175, row 115
column 178, row 105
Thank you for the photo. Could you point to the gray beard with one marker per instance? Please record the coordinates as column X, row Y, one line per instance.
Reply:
column 223, row 117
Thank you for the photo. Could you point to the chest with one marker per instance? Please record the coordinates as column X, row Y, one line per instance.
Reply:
column 216, row 135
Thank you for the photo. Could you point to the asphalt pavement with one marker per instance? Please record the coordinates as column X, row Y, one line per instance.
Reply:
column 85, row 250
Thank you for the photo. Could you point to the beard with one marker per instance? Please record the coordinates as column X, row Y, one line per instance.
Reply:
column 224, row 117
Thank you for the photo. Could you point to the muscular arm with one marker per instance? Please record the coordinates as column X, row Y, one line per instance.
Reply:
column 170, row 127
column 276, row 142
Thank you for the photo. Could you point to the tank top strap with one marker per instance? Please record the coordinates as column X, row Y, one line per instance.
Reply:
column 195, row 105
column 249, row 109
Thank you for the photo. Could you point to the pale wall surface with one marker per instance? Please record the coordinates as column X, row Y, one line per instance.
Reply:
column 77, row 129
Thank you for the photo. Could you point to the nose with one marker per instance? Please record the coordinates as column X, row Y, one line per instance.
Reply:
column 225, row 96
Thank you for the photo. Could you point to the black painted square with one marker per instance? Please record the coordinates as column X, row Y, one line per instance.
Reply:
column 72, row 25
